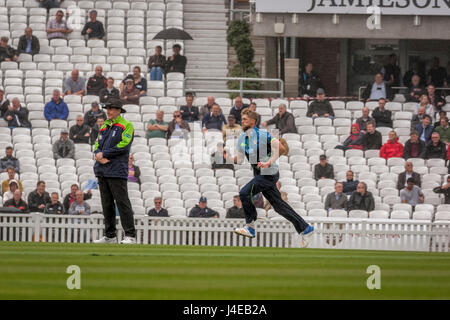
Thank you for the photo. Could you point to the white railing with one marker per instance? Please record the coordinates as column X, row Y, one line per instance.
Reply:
column 331, row 233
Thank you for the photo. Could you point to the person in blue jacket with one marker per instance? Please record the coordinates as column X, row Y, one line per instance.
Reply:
column 56, row 108
column 112, row 151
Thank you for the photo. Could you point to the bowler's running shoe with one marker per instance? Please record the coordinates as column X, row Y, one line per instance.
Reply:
column 246, row 232
column 308, row 231
column 106, row 240
column 128, row 240
column 305, row 236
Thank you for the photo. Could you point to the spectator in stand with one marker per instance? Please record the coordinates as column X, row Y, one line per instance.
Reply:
column 309, row 81
column 50, row 4
column 57, row 28
column 425, row 129
column 130, row 95
column 70, row 197
column 414, row 70
column 354, row 141
column 252, row 106
column 437, row 123
column 207, row 107
column 392, row 148
column 9, row 161
column 94, row 28
column 258, row 200
column 444, row 189
column 157, row 65
column 201, row 210
column 109, row 92
column 64, row 147
column 408, row 174
column 96, row 83
column 95, row 130
column 414, row 147
column 189, row 112
column 75, row 84
column 38, row 199
column 320, row 107
column 382, row 116
column 417, row 118
column 323, row 170
column 178, row 128
column 176, row 62
column 4, row 103
column 284, row 121
column 435, row 99
column 377, row 90
column 158, row 210
column 213, row 120
column 416, row 90
column 133, row 171
column 364, row 119
column 444, row 130
column 80, row 132
column 157, row 128
column 284, row 196
column 425, row 103
column 79, row 206
column 17, row 116
column 436, row 149
column 391, row 71
column 54, row 207
column 219, row 158
column 7, row 53
column 236, row 110
column 349, row 184
column 372, row 140
column 9, row 194
column 361, row 199
column 437, row 74
column 11, row 176
column 337, row 199
column 231, row 130
column 412, row 194
column 236, row 211
column 17, row 202
column 91, row 116
column 139, row 82
column 28, row 43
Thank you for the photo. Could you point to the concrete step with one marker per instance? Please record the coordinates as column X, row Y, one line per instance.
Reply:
column 205, row 56
column 206, row 8
column 195, row 16
column 193, row 25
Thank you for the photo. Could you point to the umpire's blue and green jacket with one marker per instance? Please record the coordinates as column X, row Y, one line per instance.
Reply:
column 114, row 141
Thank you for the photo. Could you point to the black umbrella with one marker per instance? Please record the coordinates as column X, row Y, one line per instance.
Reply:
column 172, row 34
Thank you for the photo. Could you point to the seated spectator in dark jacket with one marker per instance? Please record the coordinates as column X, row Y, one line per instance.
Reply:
column 361, row 199
column 445, row 189
column 157, row 128
column 405, row 175
column 54, row 207
column 435, row 99
column 4, row 103
column 284, row 121
column 130, row 95
column 178, row 128
column 414, row 147
column 56, row 108
column 349, row 185
column 17, row 115
column 189, row 112
column 96, row 83
column 133, row 171
column 91, row 116
column 236, row 211
column 38, row 199
column 80, row 133
column 176, row 62
column 236, row 110
column 71, row 197
column 109, row 92
column 436, row 149
column 17, row 202
column 28, row 43
column 94, row 28
column 337, row 199
column 372, row 140
column 323, row 170
column 7, row 53
column 391, row 71
column 377, row 90
column 64, row 147
column 364, row 119
column 417, row 118
column 139, row 82
column 415, row 91
column 95, row 130
column 444, row 130
column 9, row 161
column 201, row 210
column 438, row 122
column 425, row 129
column 158, row 210
column 214, row 120
column 219, row 158
column 157, row 65
column 320, row 107
column 208, row 106
column 382, row 116
column 354, row 141
column 309, row 81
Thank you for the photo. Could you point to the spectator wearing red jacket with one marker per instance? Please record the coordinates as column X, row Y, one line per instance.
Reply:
column 392, row 148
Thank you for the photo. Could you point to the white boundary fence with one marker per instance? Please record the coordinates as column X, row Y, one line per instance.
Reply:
column 368, row 234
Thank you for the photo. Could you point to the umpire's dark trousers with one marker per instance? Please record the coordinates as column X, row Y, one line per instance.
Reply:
column 267, row 185
column 116, row 190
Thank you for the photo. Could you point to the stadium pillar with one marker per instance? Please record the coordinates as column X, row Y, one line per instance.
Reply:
column 282, row 53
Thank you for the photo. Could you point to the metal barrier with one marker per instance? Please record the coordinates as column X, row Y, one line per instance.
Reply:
column 241, row 90
column 331, row 233
column 395, row 88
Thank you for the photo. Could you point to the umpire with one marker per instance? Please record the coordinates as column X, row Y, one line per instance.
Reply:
column 112, row 150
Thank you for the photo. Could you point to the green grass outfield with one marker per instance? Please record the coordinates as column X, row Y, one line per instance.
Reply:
column 38, row 271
